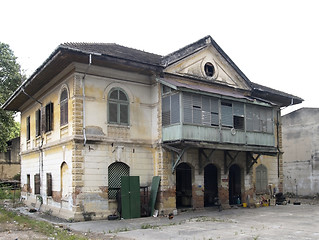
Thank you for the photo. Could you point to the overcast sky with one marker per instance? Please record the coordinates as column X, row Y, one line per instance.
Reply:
column 274, row 42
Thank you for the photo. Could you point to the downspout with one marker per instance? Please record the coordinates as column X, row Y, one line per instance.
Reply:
column 40, row 148
column 278, row 146
column 83, row 93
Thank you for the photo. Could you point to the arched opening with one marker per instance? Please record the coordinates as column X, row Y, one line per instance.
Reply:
column 65, row 180
column 115, row 172
column 183, row 186
column 210, row 185
column 234, row 184
column 261, row 179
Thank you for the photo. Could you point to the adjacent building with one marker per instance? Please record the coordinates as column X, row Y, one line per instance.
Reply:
column 10, row 160
column 92, row 113
column 301, row 155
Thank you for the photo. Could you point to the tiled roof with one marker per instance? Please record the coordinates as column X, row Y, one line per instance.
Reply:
column 115, row 50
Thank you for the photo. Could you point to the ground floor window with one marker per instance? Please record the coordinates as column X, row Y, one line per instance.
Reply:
column 37, row 184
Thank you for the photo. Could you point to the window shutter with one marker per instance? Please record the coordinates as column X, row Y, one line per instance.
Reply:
column 175, row 109
column 206, row 111
column 227, row 114
column 187, row 105
column 49, row 184
column 43, row 120
column 238, row 109
column 37, row 184
column 166, row 111
column 197, row 109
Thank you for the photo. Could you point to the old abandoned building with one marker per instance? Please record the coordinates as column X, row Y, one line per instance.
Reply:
column 10, row 160
column 301, row 157
column 93, row 113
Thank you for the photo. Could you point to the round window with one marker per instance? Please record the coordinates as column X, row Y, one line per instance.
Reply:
column 209, row 69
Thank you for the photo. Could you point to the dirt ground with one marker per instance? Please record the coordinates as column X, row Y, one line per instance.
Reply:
column 15, row 230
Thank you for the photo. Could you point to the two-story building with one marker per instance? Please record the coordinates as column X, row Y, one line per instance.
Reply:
column 92, row 113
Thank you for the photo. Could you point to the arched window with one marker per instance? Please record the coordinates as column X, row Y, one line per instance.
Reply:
column 118, row 107
column 261, row 179
column 115, row 172
column 64, row 107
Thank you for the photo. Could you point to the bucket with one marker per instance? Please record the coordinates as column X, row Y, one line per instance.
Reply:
column 244, row 204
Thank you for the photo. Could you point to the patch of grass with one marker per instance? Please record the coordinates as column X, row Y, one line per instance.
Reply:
column 37, row 226
column 7, row 193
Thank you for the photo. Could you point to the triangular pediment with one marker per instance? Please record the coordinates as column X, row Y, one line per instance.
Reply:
column 208, row 64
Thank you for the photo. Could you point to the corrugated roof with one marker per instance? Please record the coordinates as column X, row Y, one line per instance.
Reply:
column 115, row 50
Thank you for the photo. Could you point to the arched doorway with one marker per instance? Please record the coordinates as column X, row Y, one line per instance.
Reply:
column 65, row 180
column 115, row 172
column 234, row 184
column 261, row 179
column 210, row 185
column 183, row 186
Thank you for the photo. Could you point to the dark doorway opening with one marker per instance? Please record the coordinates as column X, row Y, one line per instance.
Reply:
column 234, row 185
column 210, row 185
column 183, row 186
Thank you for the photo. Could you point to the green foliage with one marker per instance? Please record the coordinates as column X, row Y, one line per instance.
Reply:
column 10, row 79
column 38, row 226
column 7, row 193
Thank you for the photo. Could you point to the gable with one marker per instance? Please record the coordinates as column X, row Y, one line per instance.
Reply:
column 208, row 64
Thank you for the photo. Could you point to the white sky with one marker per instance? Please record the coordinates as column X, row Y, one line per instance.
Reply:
column 274, row 42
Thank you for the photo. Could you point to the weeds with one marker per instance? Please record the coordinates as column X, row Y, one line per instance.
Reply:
column 37, row 226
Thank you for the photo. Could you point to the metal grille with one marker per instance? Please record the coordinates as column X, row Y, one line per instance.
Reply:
column 115, row 172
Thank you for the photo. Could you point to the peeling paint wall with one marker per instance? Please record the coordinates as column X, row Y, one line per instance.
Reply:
column 301, row 158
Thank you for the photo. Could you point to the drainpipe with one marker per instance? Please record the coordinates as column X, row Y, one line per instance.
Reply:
column 40, row 148
column 278, row 147
column 83, row 93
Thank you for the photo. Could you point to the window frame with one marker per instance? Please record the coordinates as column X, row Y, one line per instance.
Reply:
column 47, row 117
column 64, row 105
column 28, row 132
column 38, row 123
column 118, row 102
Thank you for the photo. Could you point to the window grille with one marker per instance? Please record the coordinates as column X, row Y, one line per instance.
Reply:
column 115, row 172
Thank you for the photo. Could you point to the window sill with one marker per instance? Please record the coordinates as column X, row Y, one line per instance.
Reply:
column 118, row 125
column 65, row 126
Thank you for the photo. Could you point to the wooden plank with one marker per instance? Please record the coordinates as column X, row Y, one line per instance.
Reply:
column 153, row 194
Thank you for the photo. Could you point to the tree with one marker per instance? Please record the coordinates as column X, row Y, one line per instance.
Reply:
column 10, row 79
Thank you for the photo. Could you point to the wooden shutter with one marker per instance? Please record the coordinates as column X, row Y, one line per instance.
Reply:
column 166, row 115
column 49, row 184
column 187, row 105
column 175, row 109
column 43, row 120
column 37, row 184
column 227, row 114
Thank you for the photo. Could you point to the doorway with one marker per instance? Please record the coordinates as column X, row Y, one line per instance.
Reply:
column 210, row 185
column 234, row 185
column 183, row 186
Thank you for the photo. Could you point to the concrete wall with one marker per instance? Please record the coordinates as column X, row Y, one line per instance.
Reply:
column 301, row 156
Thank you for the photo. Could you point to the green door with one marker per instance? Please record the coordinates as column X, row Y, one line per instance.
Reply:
column 130, row 197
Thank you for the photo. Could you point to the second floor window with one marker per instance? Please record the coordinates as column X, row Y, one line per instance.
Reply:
column 48, row 120
column 28, row 128
column 64, row 108
column 38, row 123
column 118, row 107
